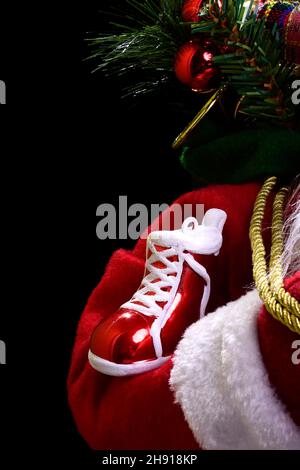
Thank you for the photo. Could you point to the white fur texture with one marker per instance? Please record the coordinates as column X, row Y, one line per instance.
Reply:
column 220, row 381
column 291, row 254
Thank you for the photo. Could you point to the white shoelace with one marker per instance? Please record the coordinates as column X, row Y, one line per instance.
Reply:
column 150, row 293
column 157, row 293
column 146, row 299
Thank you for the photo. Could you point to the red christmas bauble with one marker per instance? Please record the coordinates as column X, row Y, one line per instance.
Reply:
column 292, row 36
column 191, row 9
column 194, row 65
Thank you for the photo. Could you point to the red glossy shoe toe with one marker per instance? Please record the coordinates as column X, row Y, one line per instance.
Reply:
column 124, row 338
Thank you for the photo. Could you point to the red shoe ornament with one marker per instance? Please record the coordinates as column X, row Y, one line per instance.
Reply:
column 144, row 332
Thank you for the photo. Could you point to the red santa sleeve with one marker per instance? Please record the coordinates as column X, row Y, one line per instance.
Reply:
column 138, row 412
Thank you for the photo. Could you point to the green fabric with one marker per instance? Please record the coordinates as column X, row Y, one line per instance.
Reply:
column 215, row 156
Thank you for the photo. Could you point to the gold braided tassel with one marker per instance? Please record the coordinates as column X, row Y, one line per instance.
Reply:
column 278, row 302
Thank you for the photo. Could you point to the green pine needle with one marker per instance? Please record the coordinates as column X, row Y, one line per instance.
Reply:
column 147, row 41
column 152, row 31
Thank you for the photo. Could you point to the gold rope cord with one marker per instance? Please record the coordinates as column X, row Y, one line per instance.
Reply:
column 279, row 303
column 275, row 278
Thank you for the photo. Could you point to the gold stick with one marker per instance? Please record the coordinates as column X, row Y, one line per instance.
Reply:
column 194, row 123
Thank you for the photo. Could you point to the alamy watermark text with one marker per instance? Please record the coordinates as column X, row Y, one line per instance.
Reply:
column 131, row 222
column 2, row 92
column 2, row 352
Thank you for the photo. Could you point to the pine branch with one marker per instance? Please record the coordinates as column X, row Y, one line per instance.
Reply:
column 252, row 66
column 147, row 41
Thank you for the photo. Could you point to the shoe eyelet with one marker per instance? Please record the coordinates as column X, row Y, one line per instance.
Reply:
column 191, row 223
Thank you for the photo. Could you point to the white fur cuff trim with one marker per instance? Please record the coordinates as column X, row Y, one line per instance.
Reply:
column 221, row 383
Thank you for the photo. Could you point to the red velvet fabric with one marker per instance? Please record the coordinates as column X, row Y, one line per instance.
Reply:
column 276, row 342
column 138, row 412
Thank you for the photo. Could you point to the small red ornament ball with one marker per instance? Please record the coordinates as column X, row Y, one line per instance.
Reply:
column 292, row 37
column 190, row 10
column 194, row 65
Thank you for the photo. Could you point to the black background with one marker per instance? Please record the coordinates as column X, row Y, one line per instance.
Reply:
column 103, row 147
column 69, row 142
column 123, row 147
column 74, row 143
